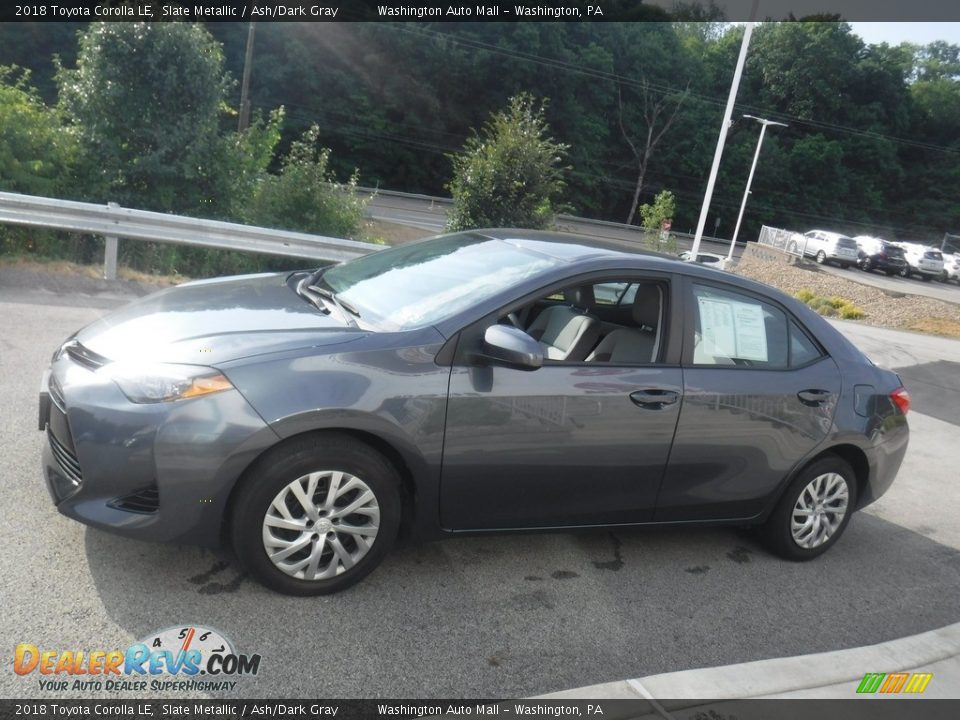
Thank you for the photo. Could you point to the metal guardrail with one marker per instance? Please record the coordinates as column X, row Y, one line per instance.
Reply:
column 113, row 222
column 438, row 206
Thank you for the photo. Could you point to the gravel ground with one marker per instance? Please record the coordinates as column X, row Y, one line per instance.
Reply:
column 882, row 307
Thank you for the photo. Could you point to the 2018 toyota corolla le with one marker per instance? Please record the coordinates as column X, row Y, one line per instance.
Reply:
column 483, row 381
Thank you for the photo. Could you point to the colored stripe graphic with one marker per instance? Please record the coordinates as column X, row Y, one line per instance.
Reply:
column 893, row 683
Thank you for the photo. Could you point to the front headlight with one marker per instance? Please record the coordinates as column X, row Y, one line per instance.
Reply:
column 164, row 382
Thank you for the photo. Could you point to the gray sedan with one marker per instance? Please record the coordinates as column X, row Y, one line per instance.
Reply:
column 493, row 380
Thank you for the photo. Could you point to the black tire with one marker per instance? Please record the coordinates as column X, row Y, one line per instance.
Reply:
column 821, row 257
column 295, row 459
column 867, row 265
column 905, row 272
column 777, row 531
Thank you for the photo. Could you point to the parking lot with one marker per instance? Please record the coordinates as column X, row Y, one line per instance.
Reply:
column 491, row 616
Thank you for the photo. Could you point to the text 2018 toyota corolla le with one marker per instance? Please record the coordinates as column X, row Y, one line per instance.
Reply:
column 481, row 381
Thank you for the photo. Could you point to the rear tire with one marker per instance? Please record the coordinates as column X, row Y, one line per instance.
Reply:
column 814, row 511
column 316, row 514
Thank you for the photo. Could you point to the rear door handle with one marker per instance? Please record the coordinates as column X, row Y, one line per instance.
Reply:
column 653, row 398
column 814, row 397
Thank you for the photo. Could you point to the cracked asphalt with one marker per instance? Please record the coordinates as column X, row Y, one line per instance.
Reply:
column 474, row 617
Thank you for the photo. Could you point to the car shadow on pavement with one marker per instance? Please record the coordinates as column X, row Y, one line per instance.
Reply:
column 501, row 616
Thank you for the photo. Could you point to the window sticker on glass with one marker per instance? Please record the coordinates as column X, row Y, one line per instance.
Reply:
column 733, row 329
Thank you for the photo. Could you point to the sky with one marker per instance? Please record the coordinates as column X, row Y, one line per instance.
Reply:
column 916, row 32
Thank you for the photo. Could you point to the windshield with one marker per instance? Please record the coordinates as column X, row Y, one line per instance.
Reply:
column 423, row 283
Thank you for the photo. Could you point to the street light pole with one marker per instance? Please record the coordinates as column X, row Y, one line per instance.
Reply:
column 763, row 129
column 724, row 126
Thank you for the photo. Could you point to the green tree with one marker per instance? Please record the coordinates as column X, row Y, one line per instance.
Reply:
column 36, row 156
column 511, row 174
column 145, row 99
column 663, row 207
column 306, row 196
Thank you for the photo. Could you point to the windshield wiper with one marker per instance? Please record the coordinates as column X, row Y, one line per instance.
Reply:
column 345, row 308
column 317, row 296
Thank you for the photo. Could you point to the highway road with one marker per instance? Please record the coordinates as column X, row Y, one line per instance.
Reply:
column 429, row 214
column 489, row 616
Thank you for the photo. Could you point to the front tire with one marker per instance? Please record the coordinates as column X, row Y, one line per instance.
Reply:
column 316, row 515
column 821, row 258
column 814, row 511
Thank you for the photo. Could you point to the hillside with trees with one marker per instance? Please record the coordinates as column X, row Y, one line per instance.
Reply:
column 873, row 143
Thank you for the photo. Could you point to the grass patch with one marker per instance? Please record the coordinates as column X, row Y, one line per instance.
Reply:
column 831, row 306
column 67, row 267
column 937, row 326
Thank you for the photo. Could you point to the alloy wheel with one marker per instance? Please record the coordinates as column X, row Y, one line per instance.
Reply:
column 819, row 510
column 321, row 525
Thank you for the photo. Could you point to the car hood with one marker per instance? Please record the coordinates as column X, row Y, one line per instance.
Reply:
column 213, row 321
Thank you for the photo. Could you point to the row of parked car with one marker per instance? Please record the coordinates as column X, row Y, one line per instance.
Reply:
column 872, row 253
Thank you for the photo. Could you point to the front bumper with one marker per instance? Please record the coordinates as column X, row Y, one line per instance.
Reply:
column 160, row 472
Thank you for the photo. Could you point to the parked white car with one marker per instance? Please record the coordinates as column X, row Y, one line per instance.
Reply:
column 922, row 260
column 826, row 246
column 951, row 267
column 705, row 258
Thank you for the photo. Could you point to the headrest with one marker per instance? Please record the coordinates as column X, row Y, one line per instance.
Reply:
column 580, row 297
column 646, row 306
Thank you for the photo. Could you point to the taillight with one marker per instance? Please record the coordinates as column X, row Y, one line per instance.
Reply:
column 901, row 398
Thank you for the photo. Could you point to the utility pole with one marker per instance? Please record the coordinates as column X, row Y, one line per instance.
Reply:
column 718, row 153
column 245, row 87
column 763, row 128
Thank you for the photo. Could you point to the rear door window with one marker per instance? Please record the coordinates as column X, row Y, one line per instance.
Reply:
column 735, row 329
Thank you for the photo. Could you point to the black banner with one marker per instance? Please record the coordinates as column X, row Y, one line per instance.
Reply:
column 116, row 709
column 491, row 11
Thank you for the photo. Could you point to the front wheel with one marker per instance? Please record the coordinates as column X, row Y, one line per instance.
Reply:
column 316, row 515
column 821, row 258
column 905, row 272
column 814, row 511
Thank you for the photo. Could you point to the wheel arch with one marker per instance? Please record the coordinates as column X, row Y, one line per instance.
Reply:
column 409, row 493
column 853, row 455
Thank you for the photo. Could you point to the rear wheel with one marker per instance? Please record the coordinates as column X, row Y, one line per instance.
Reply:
column 814, row 511
column 316, row 515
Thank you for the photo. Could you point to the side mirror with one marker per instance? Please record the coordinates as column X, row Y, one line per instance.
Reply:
column 512, row 347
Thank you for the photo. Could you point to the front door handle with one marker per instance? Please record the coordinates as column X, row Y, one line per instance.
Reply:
column 654, row 399
column 814, row 397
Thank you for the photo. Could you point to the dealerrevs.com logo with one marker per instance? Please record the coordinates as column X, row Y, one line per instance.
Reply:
column 187, row 658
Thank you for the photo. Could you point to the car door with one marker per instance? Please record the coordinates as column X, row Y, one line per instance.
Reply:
column 570, row 443
column 759, row 395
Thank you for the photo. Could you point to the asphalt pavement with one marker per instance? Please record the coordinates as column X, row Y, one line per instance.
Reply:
column 508, row 616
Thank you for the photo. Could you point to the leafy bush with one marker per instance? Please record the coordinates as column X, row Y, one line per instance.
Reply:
column 510, row 175
column 663, row 207
column 306, row 196
column 831, row 306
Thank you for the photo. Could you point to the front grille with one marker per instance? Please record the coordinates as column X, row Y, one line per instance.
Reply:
column 66, row 460
column 145, row 501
